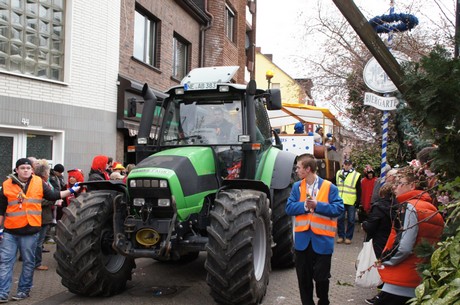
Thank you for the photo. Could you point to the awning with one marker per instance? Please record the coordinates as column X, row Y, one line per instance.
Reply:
column 293, row 113
column 133, row 127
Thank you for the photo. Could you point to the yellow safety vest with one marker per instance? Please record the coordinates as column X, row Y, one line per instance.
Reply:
column 319, row 224
column 347, row 190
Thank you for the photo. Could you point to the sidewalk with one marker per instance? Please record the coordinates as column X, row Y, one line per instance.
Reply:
column 189, row 282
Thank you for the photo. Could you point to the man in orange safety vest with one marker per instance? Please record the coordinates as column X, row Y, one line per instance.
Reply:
column 21, row 198
column 316, row 204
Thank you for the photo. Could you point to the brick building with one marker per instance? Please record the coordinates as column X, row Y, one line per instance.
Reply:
column 162, row 40
column 58, row 73
column 68, row 67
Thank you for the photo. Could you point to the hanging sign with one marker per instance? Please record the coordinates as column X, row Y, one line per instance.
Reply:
column 380, row 102
column 376, row 78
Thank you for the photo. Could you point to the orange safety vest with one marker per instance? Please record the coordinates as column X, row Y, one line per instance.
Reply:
column 431, row 225
column 29, row 211
column 319, row 224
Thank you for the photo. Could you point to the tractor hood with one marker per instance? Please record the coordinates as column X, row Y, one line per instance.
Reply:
column 194, row 168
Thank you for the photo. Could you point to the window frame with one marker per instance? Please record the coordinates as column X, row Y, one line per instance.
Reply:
column 150, row 40
column 230, row 23
column 186, row 57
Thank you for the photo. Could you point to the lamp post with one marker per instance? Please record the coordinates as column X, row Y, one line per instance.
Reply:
column 269, row 75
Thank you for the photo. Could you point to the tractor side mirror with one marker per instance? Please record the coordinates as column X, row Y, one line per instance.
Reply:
column 273, row 99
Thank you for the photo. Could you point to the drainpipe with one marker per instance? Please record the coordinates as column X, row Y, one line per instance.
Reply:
column 203, row 29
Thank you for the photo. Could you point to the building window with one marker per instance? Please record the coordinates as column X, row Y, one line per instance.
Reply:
column 229, row 23
column 145, row 30
column 32, row 38
column 180, row 57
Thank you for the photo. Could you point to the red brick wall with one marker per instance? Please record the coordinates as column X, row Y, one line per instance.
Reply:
column 219, row 49
column 173, row 19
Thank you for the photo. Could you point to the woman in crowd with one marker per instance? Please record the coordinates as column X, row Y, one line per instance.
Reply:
column 378, row 224
column 416, row 219
column 74, row 176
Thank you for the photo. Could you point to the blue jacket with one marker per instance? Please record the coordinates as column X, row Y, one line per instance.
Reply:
column 321, row 244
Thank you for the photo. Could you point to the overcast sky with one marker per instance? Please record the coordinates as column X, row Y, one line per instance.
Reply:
column 280, row 25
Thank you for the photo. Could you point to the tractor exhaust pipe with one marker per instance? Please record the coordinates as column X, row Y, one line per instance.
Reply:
column 145, row 126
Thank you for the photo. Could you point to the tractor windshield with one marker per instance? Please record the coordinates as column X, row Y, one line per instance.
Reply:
column 210, row 122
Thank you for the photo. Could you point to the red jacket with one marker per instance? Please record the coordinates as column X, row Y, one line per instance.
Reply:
column 430, row 227
column 367, row 187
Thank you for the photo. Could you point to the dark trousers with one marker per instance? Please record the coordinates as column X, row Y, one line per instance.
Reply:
column 312, row 266
column 388, row 298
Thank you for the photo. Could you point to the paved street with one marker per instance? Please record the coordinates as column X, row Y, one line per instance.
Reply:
column 167, row 284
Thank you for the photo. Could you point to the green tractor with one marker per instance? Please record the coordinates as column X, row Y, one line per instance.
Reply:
column 208, row 179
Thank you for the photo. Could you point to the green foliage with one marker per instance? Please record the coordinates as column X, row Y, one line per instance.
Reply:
column 365, row 117
column 441, row 279
column 371, row 153
column 433, row 99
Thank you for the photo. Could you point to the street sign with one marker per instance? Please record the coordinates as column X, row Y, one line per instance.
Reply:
column 380, row 102
column 376, row 78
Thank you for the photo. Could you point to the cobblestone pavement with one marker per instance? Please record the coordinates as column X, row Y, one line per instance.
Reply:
column 166, row 284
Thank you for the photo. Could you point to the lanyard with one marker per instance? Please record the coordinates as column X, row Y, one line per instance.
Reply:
column 313, row 189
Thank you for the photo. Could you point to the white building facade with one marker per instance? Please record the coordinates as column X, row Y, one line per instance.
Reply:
column 58, row 81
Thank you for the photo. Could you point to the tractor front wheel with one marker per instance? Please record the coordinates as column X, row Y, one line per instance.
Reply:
column 86, row 261
column 239, row 247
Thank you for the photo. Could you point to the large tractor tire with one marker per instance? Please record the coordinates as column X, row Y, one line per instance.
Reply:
column 283, row 231
column 86, row 261
column 239, row 247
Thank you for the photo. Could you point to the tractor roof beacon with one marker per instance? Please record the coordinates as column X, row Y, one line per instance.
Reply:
column 207, row 179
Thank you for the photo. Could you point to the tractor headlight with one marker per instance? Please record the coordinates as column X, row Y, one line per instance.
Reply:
column 163, row 183
column 164, row 202
column 138, row 202
column 148, row 183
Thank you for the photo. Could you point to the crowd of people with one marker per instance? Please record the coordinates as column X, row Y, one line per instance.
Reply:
column 31, row 203
column 396, row 212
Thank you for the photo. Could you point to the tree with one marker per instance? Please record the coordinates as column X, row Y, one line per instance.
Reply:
column 337, row 72
column 433, row 103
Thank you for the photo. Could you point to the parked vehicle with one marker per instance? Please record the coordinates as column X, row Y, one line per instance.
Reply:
column 209, row 179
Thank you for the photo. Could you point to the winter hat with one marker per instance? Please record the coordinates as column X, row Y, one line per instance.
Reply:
column 299, row 128
column 99, row 163
column 77, row 174
column 23, row 161
column 59, row 168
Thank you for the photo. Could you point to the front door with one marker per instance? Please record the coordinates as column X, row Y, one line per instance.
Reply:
column 8, row 144
column 17, row 143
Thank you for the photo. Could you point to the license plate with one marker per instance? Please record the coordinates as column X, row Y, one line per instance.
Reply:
column 200, row 86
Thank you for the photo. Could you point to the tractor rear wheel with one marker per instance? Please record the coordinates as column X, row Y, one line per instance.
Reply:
column 86, row 261
column 283, row 231
column 239, row 247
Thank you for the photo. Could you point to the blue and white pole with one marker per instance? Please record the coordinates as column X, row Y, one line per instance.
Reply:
column 385, row 119
column 386, row 115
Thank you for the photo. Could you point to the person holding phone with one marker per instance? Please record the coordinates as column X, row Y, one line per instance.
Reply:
column 316, row 204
